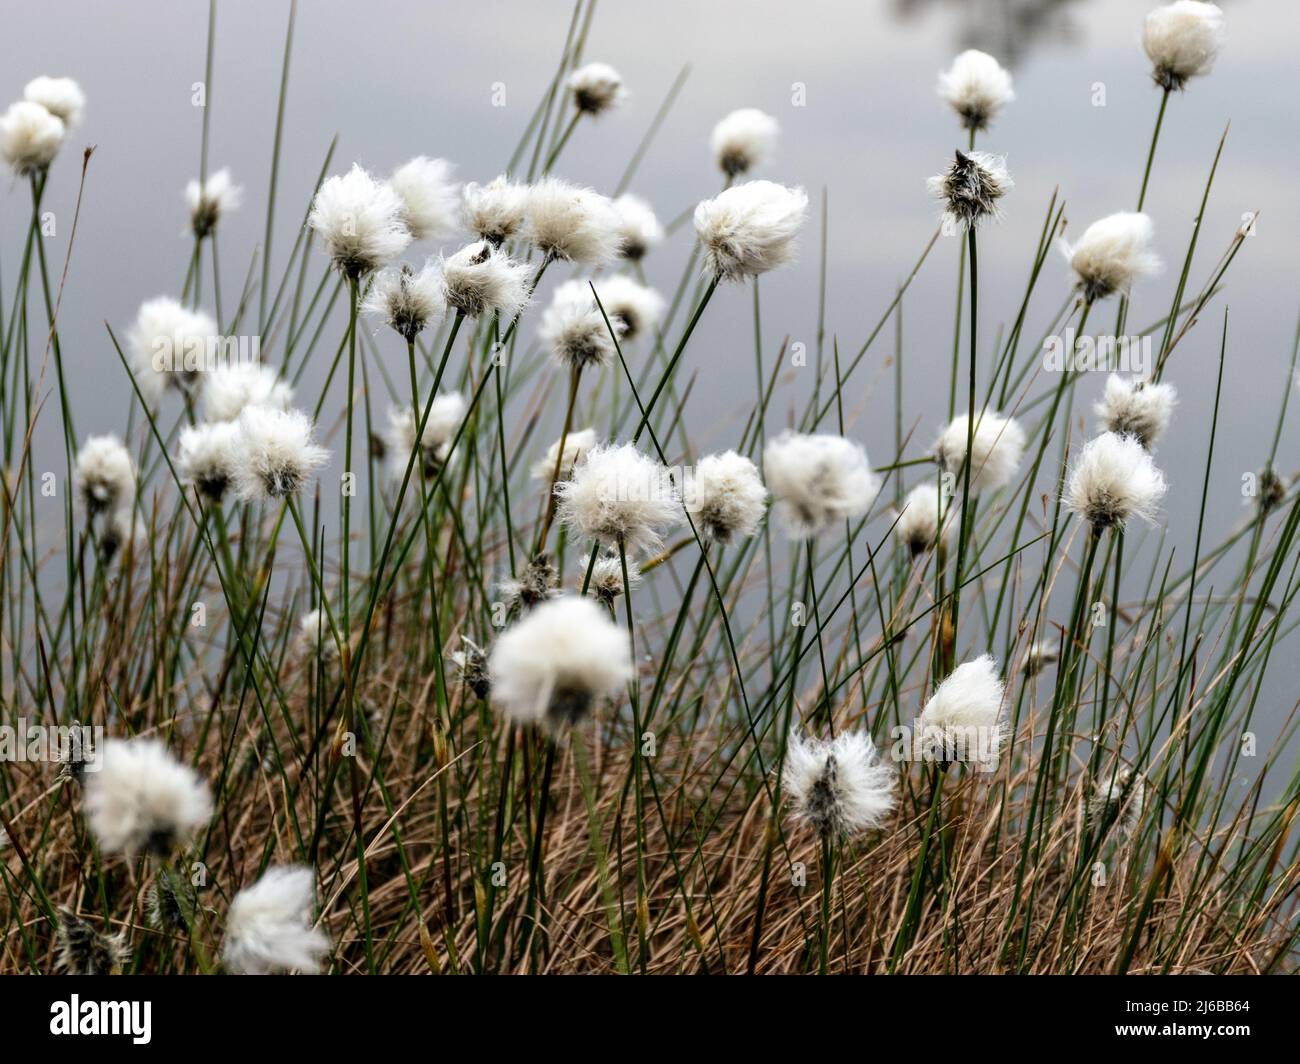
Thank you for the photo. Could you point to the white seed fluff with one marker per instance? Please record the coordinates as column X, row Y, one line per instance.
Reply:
column 1135, row 407
column 142, row 800
column 62, row 97
column 596, row 88
column 574, row 330
column 818, row 481
column 446, row 413
column 725, row 496
column 1182, row 40
column 1112, row 254
column 926, row 518
column 616, row 492
column 230, row 388
column 170, row 346
column 556, row 663
column 430, row 199
column 742, row 140
column 276, row 453
column 209, row 458
column 572, row 223
column 576, row 445
column 495, row 211
column 750, row 228
column 963, row 717
column 105, row 475
column 480, row 279
column 638, row 228
column 1112, row 480
column 607, row 577
column 998, row 445
column 634, row 308
column 408, row 301
column 360, row 221
column 269, row 926
column 837, row 786
column 1108, row 792
column 30, row 137
column 977, row 87
column 971, row 188
column 208, row 201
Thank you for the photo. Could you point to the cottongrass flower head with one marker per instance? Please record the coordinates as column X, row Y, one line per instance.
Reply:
column 1132, row 406
column 314, row 635
column 576, row 445
column 407, row 301
column 1113, row 480
column 480, row 279
column 572, row 223
column 977, row 87
column 743, row 140
column 725, row 497
column 634, row 309
column 535, row 585
column 277, row 455
column 360, row 220
column 62, row 97
column 837, row 786
column 122, row 535
column 1272, row 489
column 215, row 196
column 142, row 800
column 638, row 228
column 1182, row 40
column 998, row 444
column 209, row 458
column 172, row 903
column 30, row 137
column 446, row 413
column 105, row 475
column 619, row 494
column 1110, row 802
column 818, row 481
column 596, row 88
column 574, row 330
column 1112, row 254
column 558, row 662
column 963, row 719
column 1038, row 657
column 749, row 229
column 84, row 950
column 926, row 519
column 607, row 578
column 269, row 926
column 169, row 346
column 971, row 187
column 430, row 199
column 232, row 387
column 495, row 211
column 471, row 662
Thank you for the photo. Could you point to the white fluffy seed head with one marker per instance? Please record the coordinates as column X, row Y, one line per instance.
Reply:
column 818, row 481
column 209, row 200
column 360, row 221
column 230, row 388
column 977, row 87
column 607, row 577
column 269, row 926
column 574, row 330
column 105, row 475
column 407, row 301
column 314, row 636
column 1135, row 407
column 430, row 199
column 495, row 211
column 169, row 346
column 209, row 458
column 998, row 445
column 596, row 88
column 572, row 223
column 926, row 519
column 742, row 140
column 1038, row 657
column 276, row 453
column 1182, row 40
column 971, row 188
column 30, row 137
column 558, row 662
column 576, row 445
column 616, row 492
column 725, row 496
column 633, row 308
column 1115, row 798
column 964, row 715
column 838, row 787
column 1112, row 254
column 638, row 228
column 750, row 228
column 445, row 416
column 142, row 800
column 62, row 97
column 481, row 279
column 1112, row 480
